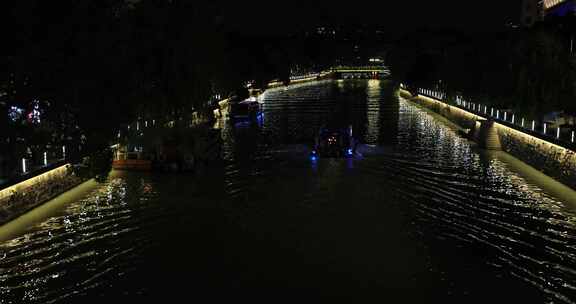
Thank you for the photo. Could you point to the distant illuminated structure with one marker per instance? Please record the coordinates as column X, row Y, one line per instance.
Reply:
column 538, row 10
column 559, row 8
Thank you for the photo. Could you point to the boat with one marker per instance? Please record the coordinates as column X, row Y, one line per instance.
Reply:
column 245, row 110
column 334, row 143
column 131, row 161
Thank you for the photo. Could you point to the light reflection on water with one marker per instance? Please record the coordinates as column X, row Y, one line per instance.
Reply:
column 432, row 210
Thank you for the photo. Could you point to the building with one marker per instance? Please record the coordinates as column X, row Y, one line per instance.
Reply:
column 534, row 11
column 559, row 8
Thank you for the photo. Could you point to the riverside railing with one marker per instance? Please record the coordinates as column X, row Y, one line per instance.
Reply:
column 552, row 133
column 30, row 164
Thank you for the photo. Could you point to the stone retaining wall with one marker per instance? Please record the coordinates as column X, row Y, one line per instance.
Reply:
column 551, row 159
column 19, row 198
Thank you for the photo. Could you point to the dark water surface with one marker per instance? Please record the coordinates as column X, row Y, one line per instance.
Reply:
column 432, row 219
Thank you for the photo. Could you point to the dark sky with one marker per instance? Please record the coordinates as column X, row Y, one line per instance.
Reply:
column 399, row 15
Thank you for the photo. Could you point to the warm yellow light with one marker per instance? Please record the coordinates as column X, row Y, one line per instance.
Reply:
column 22, row 186
column 551, row 3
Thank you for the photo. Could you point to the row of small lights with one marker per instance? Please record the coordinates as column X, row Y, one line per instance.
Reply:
column 478, row 108
column 304, row 76
column 24, row 160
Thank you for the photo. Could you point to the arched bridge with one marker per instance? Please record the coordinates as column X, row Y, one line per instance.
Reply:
column 361, row 72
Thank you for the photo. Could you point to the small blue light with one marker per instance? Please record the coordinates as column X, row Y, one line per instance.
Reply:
column 349, row 152
column 313, row 158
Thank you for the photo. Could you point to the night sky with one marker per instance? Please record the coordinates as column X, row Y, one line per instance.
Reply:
column 286, row 17
column 394, row 16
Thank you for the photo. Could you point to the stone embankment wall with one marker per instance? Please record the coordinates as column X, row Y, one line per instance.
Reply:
column 21, row 197
column 549, row 158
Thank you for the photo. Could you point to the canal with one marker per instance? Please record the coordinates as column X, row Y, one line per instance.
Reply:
column 428, row 218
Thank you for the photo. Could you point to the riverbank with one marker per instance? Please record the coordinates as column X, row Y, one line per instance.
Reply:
column 223, row 105
column 553, row 160
column 23, row 196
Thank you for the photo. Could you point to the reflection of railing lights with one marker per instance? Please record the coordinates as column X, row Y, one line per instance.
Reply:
column 485, row 109
column 45, row 159
column 544, row 128
column 513, row 116
column 505, row 115
column 533, row 125
column 491, row 111
column 522, row 122
column 572, row 136
column 497, row 114
column 23, row 165
column 558, row 132
column 64, row 152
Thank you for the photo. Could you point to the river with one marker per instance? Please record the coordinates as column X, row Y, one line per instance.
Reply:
column 430, row 218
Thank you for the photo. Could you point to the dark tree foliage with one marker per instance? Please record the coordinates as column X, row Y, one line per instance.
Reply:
column 104, row 63
column 528, row 70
